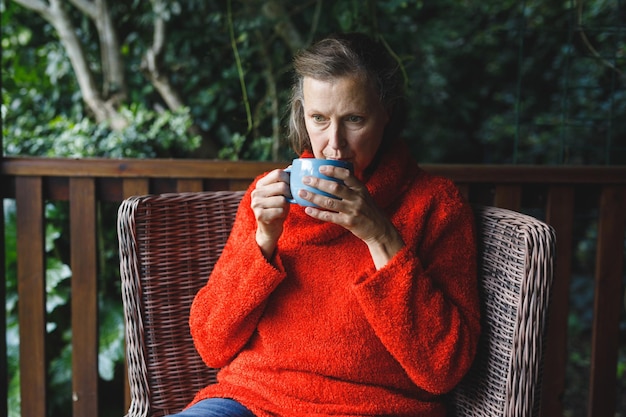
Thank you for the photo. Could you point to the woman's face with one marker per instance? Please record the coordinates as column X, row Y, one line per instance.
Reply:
column 344, row 119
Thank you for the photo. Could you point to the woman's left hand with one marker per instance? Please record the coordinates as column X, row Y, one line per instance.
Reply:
column 355, row 210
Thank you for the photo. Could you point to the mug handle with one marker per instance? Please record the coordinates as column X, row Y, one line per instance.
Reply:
column 291, row 200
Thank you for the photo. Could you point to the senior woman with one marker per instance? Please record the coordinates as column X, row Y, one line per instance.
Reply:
column 366, row 305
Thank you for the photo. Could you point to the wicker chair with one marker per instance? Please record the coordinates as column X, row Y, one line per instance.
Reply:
column 169, row 243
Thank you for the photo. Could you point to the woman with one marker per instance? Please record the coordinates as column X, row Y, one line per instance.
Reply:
column 366, row 305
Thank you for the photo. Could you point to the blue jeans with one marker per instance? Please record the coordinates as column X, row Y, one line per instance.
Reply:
column 216, row 407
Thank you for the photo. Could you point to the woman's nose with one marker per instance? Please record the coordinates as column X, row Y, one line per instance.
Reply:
column 336, row 138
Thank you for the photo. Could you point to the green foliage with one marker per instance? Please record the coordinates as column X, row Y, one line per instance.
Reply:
column 496, row 81
column 12, row 327
column 260, row 149
column 150, row 135
column 57, row 304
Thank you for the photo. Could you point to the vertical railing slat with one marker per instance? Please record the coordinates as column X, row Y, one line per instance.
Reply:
column 464, row 189
column 189, row 185
column 32, row 295
column 135, row 186
column 607, row 303
column 560, row 215
column 84, row 297
column 508, row 196
column 238, row 185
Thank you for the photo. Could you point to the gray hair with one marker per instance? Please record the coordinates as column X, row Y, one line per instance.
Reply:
column 342, row 55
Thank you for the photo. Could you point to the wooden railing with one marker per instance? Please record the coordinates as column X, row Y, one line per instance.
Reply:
column 552, row 193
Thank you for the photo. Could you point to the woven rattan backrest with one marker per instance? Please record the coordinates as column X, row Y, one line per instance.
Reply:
column 168, row 246
column 516, row 261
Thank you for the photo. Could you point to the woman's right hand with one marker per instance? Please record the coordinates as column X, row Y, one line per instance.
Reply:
column 270, row 209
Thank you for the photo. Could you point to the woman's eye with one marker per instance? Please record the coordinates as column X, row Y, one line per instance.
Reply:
column 317, row 118
column 355, row 119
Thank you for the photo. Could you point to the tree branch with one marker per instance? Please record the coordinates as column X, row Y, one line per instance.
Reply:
column 87, row 7
column 152, row 68
column 56, row 15
column 272, row 94
column 114, row 81
column 594, row 52
column 112, row 62
column 38, row 6
column 151, row 62
column 284, row 27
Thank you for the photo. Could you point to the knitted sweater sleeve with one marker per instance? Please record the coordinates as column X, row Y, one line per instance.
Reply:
column 423, row 305
column 225, row 312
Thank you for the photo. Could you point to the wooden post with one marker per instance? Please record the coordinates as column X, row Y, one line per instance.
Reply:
column 84, row 297
column 607, row 303
column 560, row 215
column 508, row 197
column 31, row 288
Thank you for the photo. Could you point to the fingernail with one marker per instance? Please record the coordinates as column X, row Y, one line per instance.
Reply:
column 306, row 180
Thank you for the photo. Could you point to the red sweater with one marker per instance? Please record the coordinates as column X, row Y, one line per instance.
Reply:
column 318, row 331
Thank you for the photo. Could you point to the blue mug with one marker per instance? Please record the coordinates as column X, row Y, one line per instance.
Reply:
column 303, row 167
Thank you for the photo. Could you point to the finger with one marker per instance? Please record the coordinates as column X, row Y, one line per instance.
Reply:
column 335, row 172
column 269, row 202
column 342, row 174
column 269, row 178
column 277, row 175
column 328, row 186
column 324, row 215
column 269, row 210
column 322, row 201
column 269, row 215
column 271, row 189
